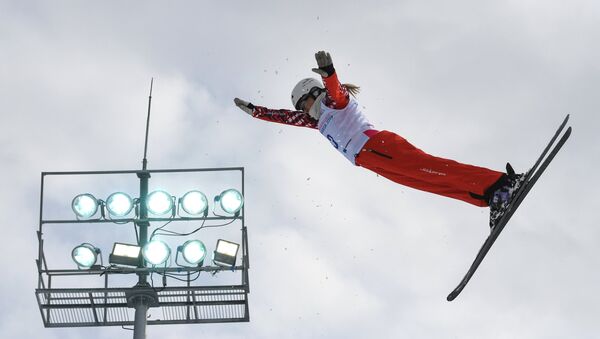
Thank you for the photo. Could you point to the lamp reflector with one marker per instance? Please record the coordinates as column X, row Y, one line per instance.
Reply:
column 119, row 204
column 231, row 201
column 193, row 251
column 159, row 203
column 156, row 252
column 85, row 255
column 225, row 253
column 84, row 205
column 125, row 254
column 194, row 202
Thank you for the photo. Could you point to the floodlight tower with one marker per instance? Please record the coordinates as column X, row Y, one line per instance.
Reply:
column 181, row 304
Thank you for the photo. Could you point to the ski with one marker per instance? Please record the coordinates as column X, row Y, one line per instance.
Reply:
column 531, row 178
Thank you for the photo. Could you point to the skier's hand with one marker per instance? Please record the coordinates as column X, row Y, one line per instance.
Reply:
column 244, row 105
column 325, row 64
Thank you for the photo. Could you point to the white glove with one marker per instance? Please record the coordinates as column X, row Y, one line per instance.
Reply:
column 244, row 105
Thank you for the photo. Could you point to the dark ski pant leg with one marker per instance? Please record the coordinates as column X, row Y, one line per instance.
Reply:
column 393, row 157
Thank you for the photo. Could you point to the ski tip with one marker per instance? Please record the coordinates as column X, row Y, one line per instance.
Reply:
column 452, row 296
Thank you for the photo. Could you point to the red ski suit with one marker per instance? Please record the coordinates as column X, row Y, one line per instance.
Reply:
column 391, row 156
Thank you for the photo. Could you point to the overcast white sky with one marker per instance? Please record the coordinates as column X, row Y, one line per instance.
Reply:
column 337, row 252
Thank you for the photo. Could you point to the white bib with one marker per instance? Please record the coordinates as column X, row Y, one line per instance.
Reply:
column 345, row 128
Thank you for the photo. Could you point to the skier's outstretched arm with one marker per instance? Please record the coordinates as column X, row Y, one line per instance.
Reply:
column 337, row 95
column 282, row 116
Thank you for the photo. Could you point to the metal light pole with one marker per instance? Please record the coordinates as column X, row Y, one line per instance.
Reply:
column 141, row 302
column 139, row 327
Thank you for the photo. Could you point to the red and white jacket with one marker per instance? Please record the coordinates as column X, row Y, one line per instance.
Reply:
column 342, row 121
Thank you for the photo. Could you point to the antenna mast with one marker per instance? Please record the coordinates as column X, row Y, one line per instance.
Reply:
column 145, row 161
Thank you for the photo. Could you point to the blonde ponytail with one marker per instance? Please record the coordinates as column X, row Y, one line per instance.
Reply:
column 352, row 89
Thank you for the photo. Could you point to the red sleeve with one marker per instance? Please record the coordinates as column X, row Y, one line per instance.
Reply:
column 337, row 95
column 284, row 116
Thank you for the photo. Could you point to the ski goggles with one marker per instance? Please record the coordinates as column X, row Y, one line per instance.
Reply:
column 314, row 93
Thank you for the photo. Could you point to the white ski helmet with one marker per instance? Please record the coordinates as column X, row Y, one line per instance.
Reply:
column 304, row 88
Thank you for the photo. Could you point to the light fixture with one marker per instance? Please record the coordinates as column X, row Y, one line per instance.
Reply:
column 125, row 254
column 194, row 203
column 84, row 205
column 159, row 203
column 119, row 204
column 156, row 252
column 193, row 251
column 225, row 253
column 231, row 201
column 85, row 255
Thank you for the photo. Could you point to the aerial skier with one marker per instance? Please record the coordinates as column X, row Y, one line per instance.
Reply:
column 331, row 107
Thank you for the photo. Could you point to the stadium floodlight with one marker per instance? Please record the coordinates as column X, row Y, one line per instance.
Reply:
column 119, row 204
column 156, row 252
column 193, row 251
column 85, row 205
column 225, row 253
column 85, row 255
column 159, row 203
column 231, row 201
column 194, row 203
column 125, row 254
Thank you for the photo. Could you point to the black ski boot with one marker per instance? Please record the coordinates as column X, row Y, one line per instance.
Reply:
column 503, row 194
